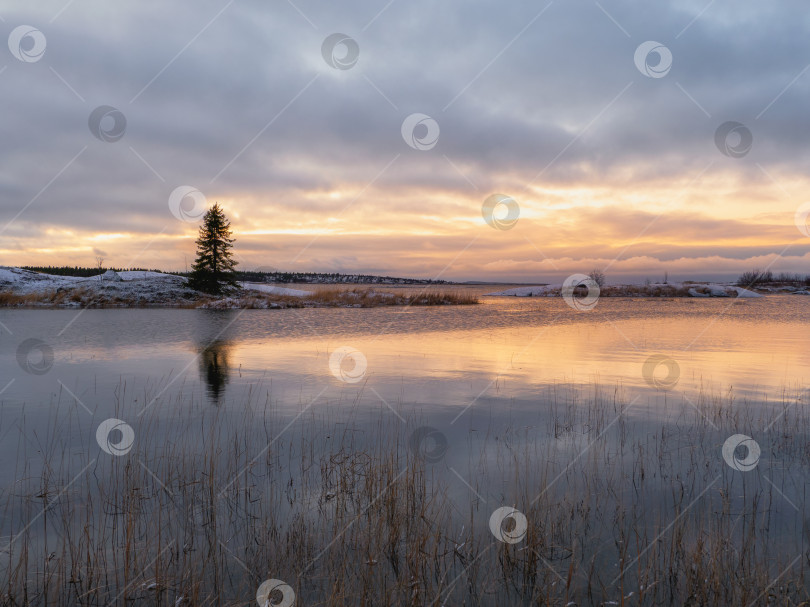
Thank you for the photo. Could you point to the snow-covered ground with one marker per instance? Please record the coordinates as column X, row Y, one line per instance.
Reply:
column 692, row 289
column 25, row 281
column 117, row 289
column 141, row 274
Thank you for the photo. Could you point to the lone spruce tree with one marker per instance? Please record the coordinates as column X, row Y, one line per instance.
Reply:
column 213, row 270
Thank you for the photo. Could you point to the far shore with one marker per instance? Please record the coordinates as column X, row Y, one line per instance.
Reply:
column 21, row 288
column 680, row 289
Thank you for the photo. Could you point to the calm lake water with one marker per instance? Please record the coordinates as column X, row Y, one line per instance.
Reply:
column 508, row 376
column 438, row 357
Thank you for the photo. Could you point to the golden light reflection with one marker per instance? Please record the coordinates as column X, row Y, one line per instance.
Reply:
column 522, row 358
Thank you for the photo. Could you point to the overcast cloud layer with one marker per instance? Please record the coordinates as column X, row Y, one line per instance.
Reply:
column 542, row 102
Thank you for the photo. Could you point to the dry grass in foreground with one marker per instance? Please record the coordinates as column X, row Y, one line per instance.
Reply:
column 210, row 503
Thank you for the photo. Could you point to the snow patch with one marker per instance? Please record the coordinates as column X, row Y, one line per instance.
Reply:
column 746, row 293
column 274, row 290
column 142, row 274
column 111, row 276
column 717, row 291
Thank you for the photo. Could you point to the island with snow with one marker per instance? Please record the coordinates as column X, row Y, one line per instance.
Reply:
column 139, row 288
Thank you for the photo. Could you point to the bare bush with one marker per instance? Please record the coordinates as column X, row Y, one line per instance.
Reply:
column 598, row 276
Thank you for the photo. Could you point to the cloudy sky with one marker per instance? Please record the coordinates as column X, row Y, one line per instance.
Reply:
column 636, row 137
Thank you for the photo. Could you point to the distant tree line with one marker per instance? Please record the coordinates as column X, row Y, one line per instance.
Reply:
column 763, row 277
column 252, row 276
column 325, row 278
column 79, row 271
column 336, row 277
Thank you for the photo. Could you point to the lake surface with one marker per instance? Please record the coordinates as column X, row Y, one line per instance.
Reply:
column 445, row 356
column 585, row 397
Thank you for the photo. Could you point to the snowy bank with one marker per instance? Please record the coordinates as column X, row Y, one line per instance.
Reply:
column 24, row 287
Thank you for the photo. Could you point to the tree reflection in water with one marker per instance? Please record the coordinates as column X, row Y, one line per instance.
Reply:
column 214, row 367
column 214, row 344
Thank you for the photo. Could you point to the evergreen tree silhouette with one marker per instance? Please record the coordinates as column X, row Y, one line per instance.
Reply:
column 214, row 269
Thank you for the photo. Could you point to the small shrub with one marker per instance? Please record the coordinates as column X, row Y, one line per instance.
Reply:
column 754, row 277
column 598, row 276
